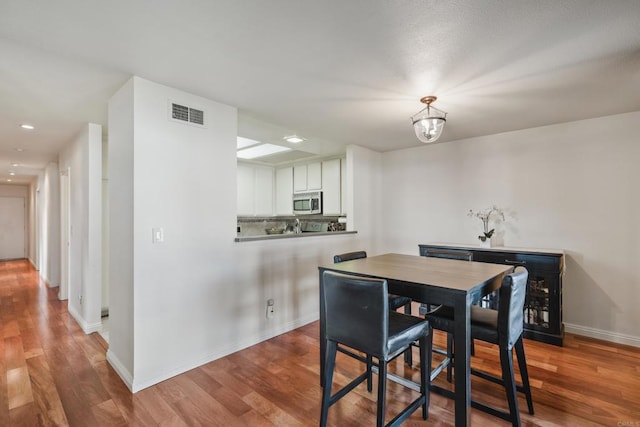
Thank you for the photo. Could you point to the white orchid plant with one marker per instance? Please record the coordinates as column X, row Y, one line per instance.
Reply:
column 485, row 215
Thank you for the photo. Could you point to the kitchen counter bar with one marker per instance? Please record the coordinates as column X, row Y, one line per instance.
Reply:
column 291, row 236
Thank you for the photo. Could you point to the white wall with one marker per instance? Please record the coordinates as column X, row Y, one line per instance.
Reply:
column 33, row 225
column 364, row 199
column 105, row 227
column 198, row 295
column 120, row 222
column 83, row 158
column 49, row 213
column 570, row 186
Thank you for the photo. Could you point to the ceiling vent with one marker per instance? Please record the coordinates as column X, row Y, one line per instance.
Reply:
column 182, row 113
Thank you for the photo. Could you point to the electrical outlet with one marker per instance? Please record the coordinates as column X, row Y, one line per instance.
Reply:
column 270, row 308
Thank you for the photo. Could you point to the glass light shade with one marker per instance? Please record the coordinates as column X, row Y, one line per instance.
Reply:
column 428, row 124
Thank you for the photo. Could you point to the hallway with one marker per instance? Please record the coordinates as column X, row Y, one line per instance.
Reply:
column 55, row 374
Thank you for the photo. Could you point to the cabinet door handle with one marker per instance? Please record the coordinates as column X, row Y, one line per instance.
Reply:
column 515, row 262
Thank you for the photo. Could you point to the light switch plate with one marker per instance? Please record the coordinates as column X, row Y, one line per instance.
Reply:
column 157, row 235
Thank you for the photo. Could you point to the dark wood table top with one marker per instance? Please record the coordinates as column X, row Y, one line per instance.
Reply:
column 439, row 272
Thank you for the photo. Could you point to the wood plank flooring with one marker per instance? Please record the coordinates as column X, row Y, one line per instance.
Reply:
column 51, row 373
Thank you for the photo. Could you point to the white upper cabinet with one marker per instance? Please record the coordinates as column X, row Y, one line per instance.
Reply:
column 245, row 189
column 343, row 186
column 331, row 188
column 307, row 177
column 284, row 191
column 314, row 176
column 254, row 190
column 300, row 178
column 263, row 197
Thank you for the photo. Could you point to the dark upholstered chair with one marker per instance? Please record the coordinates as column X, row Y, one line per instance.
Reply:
column 503, row 327
column 357, row 315
column 425, row 309
column 395, row 301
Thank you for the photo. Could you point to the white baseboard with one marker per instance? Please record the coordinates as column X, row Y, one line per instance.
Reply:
column 137, row 385
column 87, row 328
column 602, row 335
column 122, row 372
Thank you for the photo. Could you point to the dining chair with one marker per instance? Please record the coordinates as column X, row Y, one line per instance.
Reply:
column 447, row 362
column 395, row 301
column 357, row 315
column 503, row 327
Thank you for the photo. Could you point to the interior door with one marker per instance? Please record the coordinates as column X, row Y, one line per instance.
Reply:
column 12, row 230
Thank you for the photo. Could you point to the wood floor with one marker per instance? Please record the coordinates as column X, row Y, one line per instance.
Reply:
column 51, row 373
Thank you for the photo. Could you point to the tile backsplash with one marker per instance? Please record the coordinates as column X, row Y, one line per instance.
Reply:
column 261, row 226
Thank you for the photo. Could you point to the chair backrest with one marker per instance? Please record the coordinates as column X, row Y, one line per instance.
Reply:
column 356, row 310
column 349, row 256
column 511, row 306
column 443, row 253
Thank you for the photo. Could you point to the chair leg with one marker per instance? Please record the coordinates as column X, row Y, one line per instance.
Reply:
column 408, row 355
column 449, row 355
column 382, row 388
column 506, row 361
column 330, row 362
column 369, row 373
column 524, row 373
column 425, row 372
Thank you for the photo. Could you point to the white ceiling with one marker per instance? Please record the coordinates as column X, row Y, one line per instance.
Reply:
column 336, row 72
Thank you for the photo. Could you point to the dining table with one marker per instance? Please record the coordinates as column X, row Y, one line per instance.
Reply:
column 435, row 281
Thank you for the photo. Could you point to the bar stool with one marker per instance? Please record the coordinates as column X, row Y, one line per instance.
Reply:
column 505, row 328
column 357, row 315
column 395, row 301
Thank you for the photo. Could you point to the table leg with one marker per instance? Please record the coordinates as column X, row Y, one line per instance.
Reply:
column 462, row 351
column 323, row 344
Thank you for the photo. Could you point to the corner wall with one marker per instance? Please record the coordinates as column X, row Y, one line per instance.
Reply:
column 83, row 158
column 198, row 295
column 570, row 186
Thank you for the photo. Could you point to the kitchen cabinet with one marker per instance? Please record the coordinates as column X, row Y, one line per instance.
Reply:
column 263, row 197
column 543, row 302
column 314, row 176
column 300, row 178
column 254, row 190
column 343, row 186
column 284, row 191
column 307, row 177
column 331, row 187
column 245, row 189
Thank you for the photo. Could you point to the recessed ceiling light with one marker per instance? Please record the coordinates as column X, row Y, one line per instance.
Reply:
column 27, row 126
column 15, row 164
column 293, row 139
column 9, row 180
column 19, row 150
column 261, row 151
column 12, row 173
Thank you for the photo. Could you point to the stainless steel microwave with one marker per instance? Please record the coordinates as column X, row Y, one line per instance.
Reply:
column 307, row 203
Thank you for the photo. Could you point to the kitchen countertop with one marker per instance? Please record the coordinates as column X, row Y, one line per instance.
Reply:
column 291, row 236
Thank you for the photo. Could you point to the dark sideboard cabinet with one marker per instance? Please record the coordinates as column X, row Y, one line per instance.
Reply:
column 543, row 305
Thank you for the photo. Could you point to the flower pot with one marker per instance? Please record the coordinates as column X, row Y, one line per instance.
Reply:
column 486, row 243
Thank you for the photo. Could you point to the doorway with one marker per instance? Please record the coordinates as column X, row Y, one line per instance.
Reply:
column 12, row 228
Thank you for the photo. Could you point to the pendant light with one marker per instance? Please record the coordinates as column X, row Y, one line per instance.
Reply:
column 429, row 123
